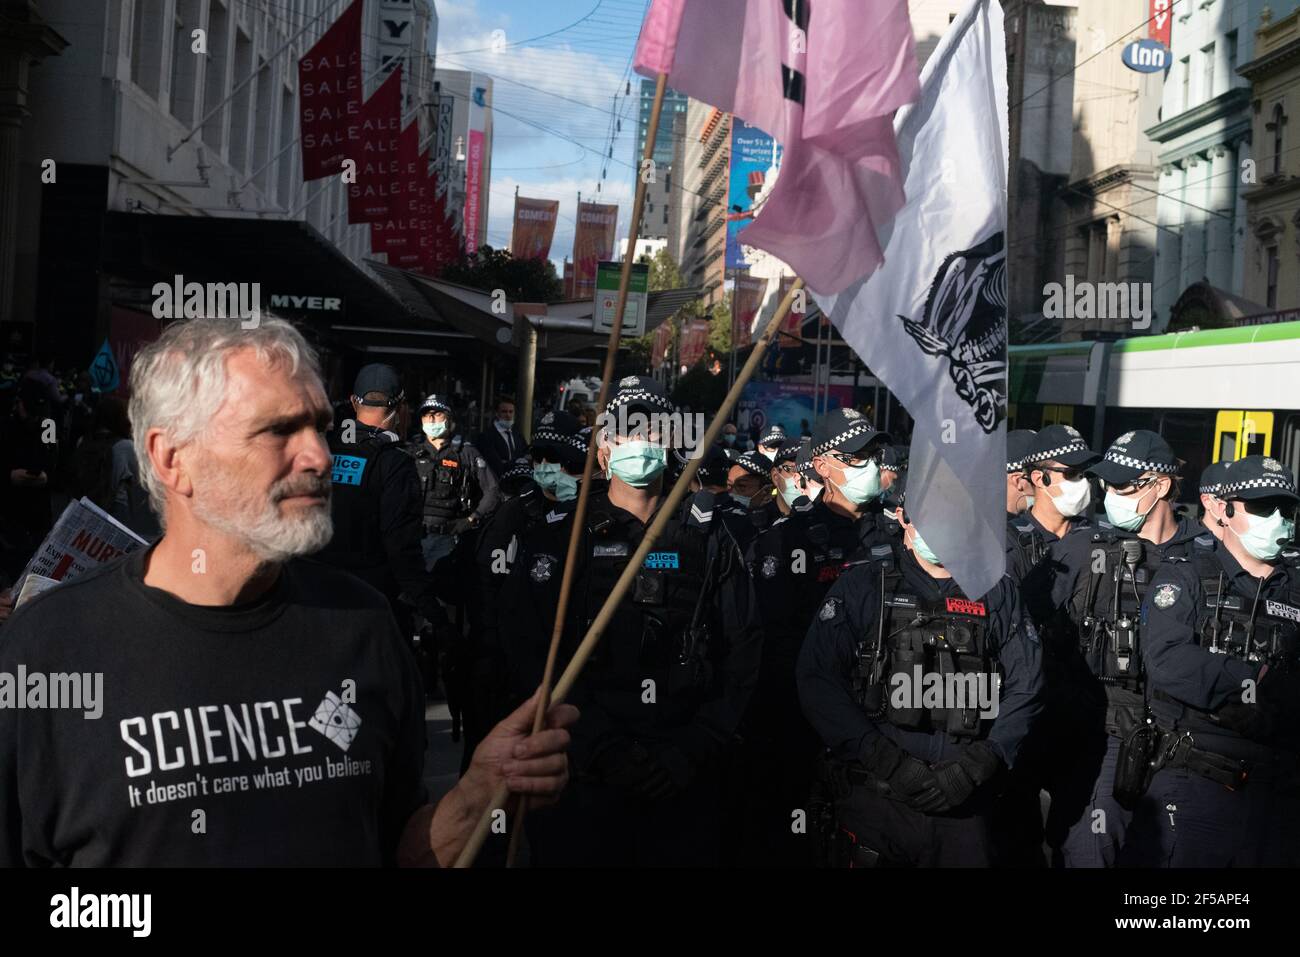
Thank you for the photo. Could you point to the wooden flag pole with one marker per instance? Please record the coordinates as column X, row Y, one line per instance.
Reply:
column 580, row 511
column 666, row 510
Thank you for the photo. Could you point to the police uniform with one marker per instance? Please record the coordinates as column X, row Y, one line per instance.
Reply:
column 375, row 506
column 457, row 488
column 743, row 521
column 1220, row 651
column 896, row 762
column 1025, row 548
column 1087, row 821
column 665, row 689
column 793, row 563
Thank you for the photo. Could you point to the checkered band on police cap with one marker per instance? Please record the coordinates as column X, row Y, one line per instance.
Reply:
column 642, row 391
column 519, row 468
column 845, row 425
column 754, row 463
column 1254, row 474
column 560, row 429
column 435, row 403
column 1128, row 461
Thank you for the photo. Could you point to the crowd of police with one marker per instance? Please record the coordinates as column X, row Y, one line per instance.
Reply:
column 776, row 689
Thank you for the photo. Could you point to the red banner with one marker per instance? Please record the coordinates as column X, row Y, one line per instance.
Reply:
column 663, row 341
column 445, row 247
column 329, row 95
column 394, row 234
column 568, row 280
column 695, row 339
column 593, row 241
column 373, row 144
column 1162, row 20
column 534, row 227
column 746, row 300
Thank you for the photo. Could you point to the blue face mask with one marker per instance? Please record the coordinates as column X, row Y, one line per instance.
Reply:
column 923, row 550
column 790, row 491
column 434, row 430
column 741, row 500
column 637, row 463
column 552, row 478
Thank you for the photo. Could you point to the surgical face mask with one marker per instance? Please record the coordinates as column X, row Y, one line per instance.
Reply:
column 790, row 491
column 1261, row 538
column 741, row 500
column 812, row 490
column 860, row 484
column 1074, row 497
column 506, row 423
column 729, row 438
column 1123, row 512
column 637, row 463
column 434, row 430
column 922, row 549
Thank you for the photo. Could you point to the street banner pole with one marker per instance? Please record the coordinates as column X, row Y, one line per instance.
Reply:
column 666, row 511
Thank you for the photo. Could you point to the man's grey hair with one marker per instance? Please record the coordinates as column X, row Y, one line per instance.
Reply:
column 179, row 382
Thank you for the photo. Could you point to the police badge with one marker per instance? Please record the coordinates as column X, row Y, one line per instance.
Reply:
column 769, row 566
column 541, row 570
column 1273, row 465
column 829, row 610
column 1166, row 595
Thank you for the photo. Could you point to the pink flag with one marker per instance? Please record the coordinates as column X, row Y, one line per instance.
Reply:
column 823, row 78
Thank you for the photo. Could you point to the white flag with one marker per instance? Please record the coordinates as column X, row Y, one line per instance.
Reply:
column 931, row 322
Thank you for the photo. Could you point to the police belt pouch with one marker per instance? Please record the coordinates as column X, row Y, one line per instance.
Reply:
column 1139, row 757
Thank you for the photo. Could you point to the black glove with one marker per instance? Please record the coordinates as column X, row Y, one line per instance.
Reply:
column 915, row 782
column 980, row 762
column 627, row 766
column 460, row 526
column 1275, row 702
column 954, row 784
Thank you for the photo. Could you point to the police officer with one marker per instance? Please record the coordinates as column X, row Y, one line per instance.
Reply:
column 1021, row 540
column 786, row 489
column 1210, row 483
column 457, row 487
column 847, row 453
column 493, row 686
column 666, row 688
column 1140, row 474
column 748, row 508
column 711, row 476
column 375, row 500
column 770, row 441
column 1219, row 646
column 793, row 563
column 516, row 477
column 809, row 481
column 912, row 772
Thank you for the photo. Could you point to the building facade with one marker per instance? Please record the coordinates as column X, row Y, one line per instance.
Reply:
column 464, row 140
column 659, row 191
column 705, row 174
column 167, row 112
column 1271, row 276
column 1110, row 232
column 1204, row 137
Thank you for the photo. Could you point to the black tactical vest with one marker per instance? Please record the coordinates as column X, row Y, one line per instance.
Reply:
column 666, row 628
column 1230, row 623
column 926, row 643
column 354, row 505
column 444, row 482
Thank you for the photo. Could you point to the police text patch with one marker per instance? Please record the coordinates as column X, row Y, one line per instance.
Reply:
column 662, row 560
column 1279, row 610
column 1166, row 595
column 347, row 469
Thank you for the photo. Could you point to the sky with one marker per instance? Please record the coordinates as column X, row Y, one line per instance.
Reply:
column 559, row 87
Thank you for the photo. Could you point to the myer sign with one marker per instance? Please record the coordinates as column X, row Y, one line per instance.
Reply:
column 606, row 305
column 306, row 303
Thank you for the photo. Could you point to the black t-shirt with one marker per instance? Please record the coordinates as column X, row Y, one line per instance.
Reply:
column 294, row 723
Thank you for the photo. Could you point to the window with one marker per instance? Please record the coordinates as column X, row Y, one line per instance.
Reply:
column 1231, row 40
column 1270, row 298
column 1185, row 67
column 1207, row 81
column 1095, row 236
column 1291, row 442
column 1275, row 126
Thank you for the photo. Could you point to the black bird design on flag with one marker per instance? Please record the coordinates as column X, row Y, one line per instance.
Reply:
column 965, row 321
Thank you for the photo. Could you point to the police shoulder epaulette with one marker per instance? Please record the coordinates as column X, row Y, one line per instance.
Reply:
column 456, row 442
column 553, row 516
column 884, row 554
column 1204, row 541
column 783, row 518
column 1025, row 529
column 700, row 516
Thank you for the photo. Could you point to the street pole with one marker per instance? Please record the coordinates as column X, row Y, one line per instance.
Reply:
column 526, row 338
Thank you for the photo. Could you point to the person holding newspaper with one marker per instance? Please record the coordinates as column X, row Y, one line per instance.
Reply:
column 259, row 708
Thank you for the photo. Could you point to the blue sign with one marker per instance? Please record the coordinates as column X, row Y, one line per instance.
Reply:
column 753, row 155
column 662, row 560
column 105, row 375
column 347, row 470
column 1147, row 56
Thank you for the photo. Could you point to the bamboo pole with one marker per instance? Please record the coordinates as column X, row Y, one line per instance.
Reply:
column 580, row 511
column 666, row 510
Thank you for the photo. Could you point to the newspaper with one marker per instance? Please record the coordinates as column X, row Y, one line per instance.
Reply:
column 33, row 586
column 84, row 537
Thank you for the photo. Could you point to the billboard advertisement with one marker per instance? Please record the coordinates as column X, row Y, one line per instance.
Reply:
column 753, row 155
column 593, row 241
column 534, row 227
column 787, row 404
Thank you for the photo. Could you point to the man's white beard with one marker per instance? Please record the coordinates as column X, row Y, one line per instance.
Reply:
column 256, row 521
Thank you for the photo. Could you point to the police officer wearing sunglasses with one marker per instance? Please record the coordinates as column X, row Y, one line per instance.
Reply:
column 1221, row 630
